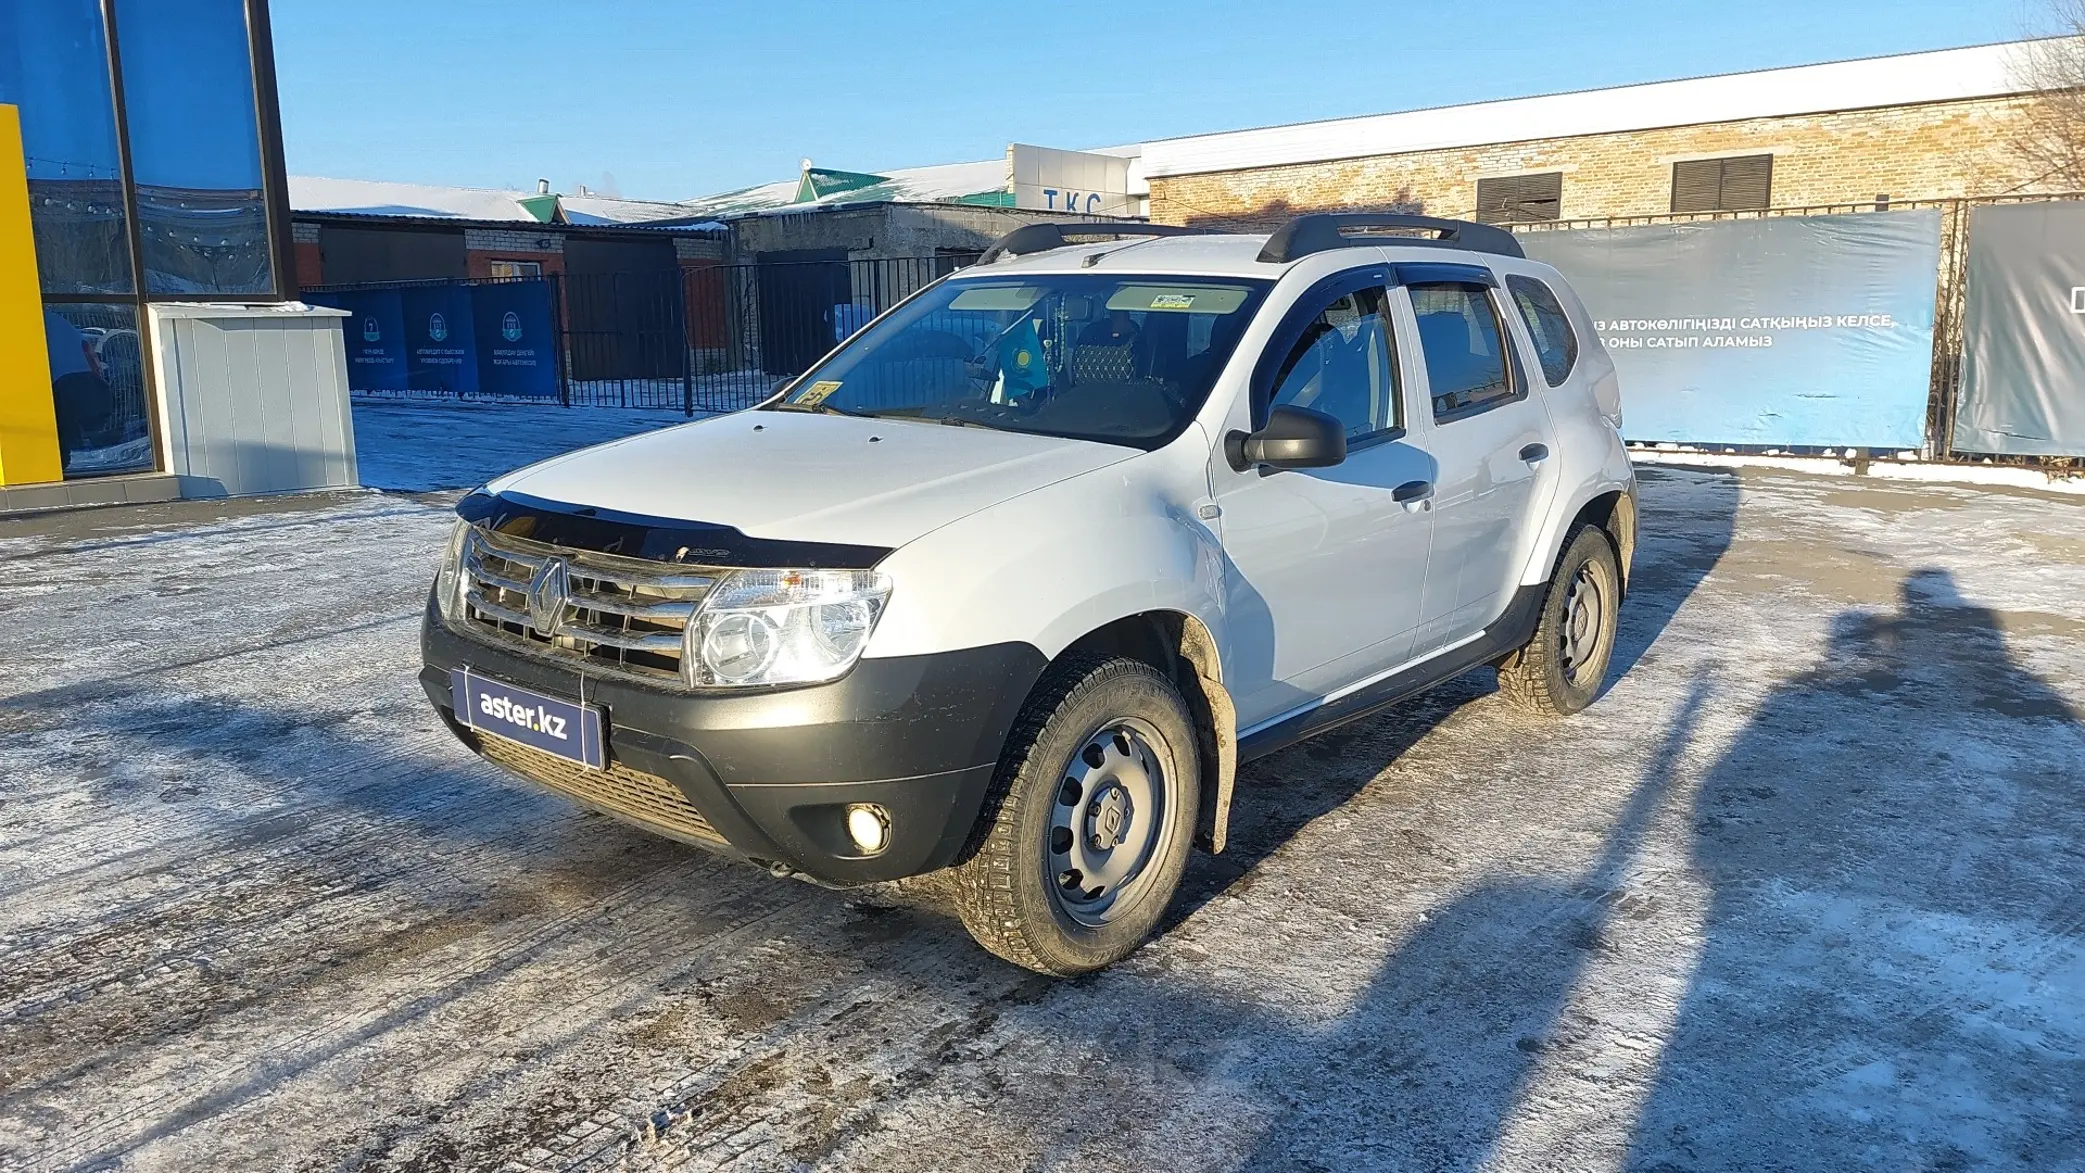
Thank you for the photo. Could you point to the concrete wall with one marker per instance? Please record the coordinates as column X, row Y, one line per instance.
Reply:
column 1939, row 150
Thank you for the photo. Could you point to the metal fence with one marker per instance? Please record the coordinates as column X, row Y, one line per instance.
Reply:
column 704, row 337
column 718, row 337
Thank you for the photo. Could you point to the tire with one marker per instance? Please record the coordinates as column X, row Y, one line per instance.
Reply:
column 1560, row 670
column 1063, row 887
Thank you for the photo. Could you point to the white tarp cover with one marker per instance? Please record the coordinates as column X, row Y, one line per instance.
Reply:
column 2023, row 331
column 1807, row 331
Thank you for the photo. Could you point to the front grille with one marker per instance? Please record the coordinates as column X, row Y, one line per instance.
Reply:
column 622, row 615
column 648, row 800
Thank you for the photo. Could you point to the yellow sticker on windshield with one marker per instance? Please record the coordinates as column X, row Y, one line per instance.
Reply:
column 818, row 393
column 1173, row 301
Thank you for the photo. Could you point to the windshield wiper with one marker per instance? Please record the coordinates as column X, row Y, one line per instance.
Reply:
column 814, row 408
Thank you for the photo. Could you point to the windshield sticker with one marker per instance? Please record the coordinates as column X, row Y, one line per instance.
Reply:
column 997, row 298
column 818, row 393
column 1178, row 299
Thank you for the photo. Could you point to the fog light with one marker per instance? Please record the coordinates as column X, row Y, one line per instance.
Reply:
column 869, row 826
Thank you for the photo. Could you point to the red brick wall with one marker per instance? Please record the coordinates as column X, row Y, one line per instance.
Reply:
column 703, row 279
column 310, row 269
column 479, row 261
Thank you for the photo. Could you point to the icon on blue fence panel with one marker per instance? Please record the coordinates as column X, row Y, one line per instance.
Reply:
column 437, row 328
column 510, row 327
column 371, row 332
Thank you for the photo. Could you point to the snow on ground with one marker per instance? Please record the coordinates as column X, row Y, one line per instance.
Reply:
column 2043, row 480
column 1802, row 891
column 423, row 445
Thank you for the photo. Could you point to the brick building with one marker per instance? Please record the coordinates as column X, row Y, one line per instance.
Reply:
column 1890, row 129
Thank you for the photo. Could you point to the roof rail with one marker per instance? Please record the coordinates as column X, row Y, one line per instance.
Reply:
column 1039, row 238
column 1324, row 231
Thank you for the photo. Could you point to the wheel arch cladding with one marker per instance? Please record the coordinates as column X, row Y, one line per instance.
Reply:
column 1613, row 513
column 1181, row 646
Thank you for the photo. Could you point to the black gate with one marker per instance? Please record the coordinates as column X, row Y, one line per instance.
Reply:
column 623, row 327
column 803, row 294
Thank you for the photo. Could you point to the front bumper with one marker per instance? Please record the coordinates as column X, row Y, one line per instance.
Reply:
column 768, row 776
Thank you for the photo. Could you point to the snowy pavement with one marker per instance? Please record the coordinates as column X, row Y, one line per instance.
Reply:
column 1805, row 890
column 410, row 445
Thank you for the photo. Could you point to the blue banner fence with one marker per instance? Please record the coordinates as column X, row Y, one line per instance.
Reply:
column 699, row 339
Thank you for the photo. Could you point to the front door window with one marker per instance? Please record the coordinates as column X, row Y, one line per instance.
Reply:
column 1344, row 366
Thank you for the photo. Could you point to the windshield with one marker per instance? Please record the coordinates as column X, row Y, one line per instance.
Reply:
column 1120, row 359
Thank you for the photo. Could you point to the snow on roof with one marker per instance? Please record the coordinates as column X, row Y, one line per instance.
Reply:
column 365, row 197
column 1906, row 79
column 946, row 182
column 745, row 199
column 592, row 209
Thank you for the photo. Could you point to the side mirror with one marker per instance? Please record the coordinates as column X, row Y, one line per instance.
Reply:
column 1295, row 437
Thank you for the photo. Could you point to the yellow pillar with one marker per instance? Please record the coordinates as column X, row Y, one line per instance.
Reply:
column 28, row 418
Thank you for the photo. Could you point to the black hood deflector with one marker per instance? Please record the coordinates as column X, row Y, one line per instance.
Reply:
column 658, row 539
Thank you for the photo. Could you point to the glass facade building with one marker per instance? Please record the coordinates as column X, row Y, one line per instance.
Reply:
column 154, row 158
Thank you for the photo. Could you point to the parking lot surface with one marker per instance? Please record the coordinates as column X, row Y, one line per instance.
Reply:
column 1804, row 890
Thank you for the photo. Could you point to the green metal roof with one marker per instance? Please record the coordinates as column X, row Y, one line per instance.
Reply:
column 818, row 183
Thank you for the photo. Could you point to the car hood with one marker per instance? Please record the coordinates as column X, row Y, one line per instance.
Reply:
column 814, row 478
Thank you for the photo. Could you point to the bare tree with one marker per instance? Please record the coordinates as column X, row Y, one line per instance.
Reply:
column 2051, row 138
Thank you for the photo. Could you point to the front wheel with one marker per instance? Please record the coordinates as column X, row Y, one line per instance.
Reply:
column 1090, row 819
column 1560, row 670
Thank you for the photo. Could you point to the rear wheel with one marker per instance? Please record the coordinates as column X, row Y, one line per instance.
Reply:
column 1090, row 819
column 1560, row 670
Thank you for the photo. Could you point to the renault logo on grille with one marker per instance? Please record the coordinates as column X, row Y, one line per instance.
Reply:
column 548, row 592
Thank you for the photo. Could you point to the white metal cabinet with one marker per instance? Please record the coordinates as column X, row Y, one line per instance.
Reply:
column 253, row 398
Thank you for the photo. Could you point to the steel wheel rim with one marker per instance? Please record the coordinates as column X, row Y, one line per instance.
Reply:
column 1584, row 624
column 1111, row 812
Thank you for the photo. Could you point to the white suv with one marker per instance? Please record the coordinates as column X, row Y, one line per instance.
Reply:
column 1012, row 580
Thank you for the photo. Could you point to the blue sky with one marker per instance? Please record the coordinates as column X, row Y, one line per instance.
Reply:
column 669, row 100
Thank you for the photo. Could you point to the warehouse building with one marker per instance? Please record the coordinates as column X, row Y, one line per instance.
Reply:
column 1912, row 127
column 353, row 231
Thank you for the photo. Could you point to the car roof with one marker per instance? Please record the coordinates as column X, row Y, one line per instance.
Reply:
column 1202, row 254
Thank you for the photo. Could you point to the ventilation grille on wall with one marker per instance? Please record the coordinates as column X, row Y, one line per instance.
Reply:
column 1520, row 199
column 1738, row 184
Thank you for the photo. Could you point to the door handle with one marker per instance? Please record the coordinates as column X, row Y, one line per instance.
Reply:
column 1535, row 453
column 1413, row 495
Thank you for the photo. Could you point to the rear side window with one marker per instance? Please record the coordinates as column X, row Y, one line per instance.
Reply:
column 1461, row 337
column 1345, row 366
column 1547, row 325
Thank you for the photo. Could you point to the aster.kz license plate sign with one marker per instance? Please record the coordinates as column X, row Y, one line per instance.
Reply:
column 568, row 730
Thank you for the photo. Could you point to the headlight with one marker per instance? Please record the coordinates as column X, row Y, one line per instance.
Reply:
column 762, row 627
column 449, row 583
